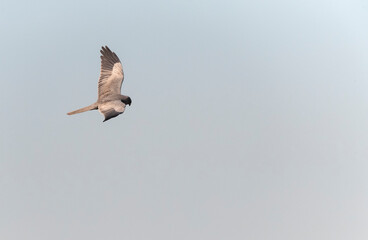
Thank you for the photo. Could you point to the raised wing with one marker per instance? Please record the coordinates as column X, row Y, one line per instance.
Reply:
column 111, row 75
column 111, row 109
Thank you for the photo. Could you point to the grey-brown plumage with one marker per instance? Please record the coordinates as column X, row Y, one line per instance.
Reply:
column 110, row 102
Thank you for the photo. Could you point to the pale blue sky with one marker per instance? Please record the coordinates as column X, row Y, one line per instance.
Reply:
column 249, row 121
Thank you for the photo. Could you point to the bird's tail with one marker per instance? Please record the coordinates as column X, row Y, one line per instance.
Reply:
column 90, row 107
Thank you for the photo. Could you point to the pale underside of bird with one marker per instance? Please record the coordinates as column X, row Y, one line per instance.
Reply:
column 110, row 102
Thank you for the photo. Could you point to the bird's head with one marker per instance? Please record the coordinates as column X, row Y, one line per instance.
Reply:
column 127, row 101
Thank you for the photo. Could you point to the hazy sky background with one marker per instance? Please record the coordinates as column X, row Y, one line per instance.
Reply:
column 249, row 120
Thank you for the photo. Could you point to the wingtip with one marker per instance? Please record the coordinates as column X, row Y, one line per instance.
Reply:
column 104, row 50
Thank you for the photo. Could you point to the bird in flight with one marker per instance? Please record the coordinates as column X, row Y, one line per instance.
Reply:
column 110, row 102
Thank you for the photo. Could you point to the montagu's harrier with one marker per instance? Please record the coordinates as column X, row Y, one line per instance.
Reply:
column 110, row 102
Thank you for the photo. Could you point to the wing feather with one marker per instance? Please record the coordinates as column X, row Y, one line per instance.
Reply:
column 111, row 75
column 111, row 109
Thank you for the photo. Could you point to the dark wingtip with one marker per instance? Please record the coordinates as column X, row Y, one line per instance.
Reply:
column 105, row 49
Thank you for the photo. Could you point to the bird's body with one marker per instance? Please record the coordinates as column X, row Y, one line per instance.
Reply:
column 110, row 102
